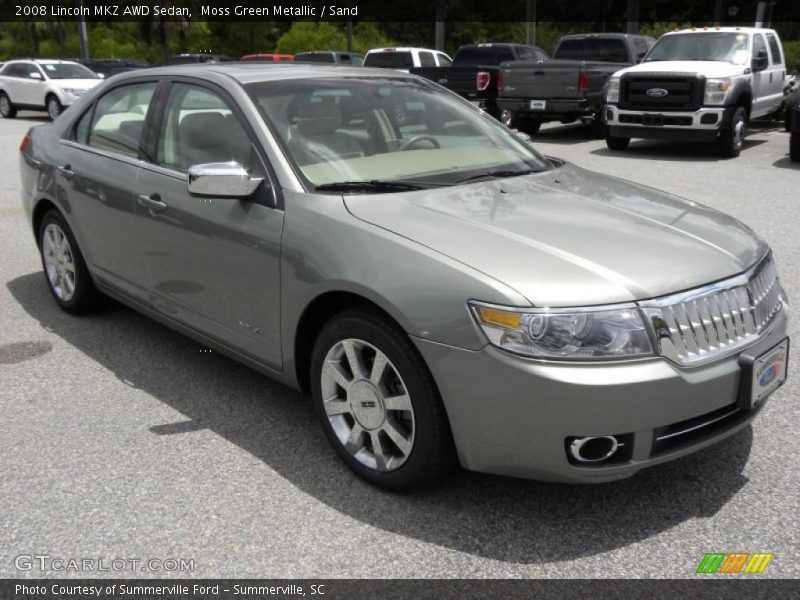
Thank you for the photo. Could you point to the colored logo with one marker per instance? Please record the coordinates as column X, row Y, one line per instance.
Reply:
column 657, row 92
column 770, row 374
column 734, row 562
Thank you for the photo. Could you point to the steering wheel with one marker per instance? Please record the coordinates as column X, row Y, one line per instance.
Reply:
column 418, row 138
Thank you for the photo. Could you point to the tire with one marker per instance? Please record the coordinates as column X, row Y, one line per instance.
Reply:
column 403, row 447
column 531, row 126
column 794, row 147
column 509, row 118
column 599, row 129
column 731, row 139
column 64, row 267
column 53, row 107
column 7, row 110
column 617, row 143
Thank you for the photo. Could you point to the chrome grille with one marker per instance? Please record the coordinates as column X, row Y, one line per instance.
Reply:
column 717, row 319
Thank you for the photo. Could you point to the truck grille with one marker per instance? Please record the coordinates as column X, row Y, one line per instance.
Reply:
column 716, row 320
column 682, row 93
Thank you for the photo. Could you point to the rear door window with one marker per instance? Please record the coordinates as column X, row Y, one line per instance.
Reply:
column 774, row 49
column 426, row 59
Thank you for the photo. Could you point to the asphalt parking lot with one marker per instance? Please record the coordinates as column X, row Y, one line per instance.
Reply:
column 120, row 438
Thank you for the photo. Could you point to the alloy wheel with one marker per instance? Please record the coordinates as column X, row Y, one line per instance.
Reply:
column 5, row 106
column 53, row 108
column 368, row 404
column 739, row 132
column 59, row 262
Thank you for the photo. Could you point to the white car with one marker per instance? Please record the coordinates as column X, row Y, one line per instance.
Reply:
column 402, row 59
column 49, row 85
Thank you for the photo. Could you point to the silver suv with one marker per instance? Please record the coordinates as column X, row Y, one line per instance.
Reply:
column 444, row 292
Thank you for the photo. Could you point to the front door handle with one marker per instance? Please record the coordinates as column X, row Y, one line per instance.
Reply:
column 66, row 171
column 153, row 202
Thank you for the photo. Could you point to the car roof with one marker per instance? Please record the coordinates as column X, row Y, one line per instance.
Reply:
column 42, row 61
column 722, row 30
column 403, row 49
column 246, row 72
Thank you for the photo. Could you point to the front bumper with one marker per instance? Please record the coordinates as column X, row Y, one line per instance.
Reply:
column 513, row 416
column 703, row 124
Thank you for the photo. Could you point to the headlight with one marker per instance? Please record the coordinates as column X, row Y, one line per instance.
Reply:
column 716, row 90
column 572, row 334
column 612, row 92
column 69, row 91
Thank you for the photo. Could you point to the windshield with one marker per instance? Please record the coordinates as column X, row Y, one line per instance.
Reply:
column 389, row 60
column 720, row 46
column 67, row 71
column 379, row 129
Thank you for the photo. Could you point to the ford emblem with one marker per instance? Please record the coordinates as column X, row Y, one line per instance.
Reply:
column 657, row 92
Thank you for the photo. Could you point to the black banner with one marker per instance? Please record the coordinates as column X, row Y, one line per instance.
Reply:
column 742, row 12
column 728, row 588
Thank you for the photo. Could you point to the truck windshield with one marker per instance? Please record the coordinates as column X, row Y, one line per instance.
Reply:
column 477, row 55
column 389, row 60
column 603, row 50
column 713, row 45
column 383, row 133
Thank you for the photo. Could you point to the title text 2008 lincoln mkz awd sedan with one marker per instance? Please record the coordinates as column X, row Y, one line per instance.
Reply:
column 444, row 292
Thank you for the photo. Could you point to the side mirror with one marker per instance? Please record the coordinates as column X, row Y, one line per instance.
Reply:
column 221, row 180
column 35, row 75
column 760, row 60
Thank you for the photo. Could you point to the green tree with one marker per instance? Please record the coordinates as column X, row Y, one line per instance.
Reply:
column 308, row 35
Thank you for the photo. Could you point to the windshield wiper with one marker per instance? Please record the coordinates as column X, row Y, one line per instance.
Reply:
column 372, row 185
column 499, row 174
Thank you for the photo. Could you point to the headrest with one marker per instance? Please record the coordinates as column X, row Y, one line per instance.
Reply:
column 204, row 130
column 319, row 117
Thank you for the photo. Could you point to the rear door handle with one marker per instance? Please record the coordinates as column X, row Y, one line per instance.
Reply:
column 153, row 202
column 66, row 171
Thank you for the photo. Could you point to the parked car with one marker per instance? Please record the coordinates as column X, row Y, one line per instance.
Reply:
column 112, row 66
column 572, row 85
column 402, row 59
column 475, row 69
column 50, row 85
column 794, row 128
column 700, row 84
column 444, row 291
column 330, row 57
column 199, row 58
column 268, row 57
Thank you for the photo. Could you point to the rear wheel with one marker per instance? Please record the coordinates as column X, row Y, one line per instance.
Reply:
column 731, row 139
column 794, row 147
column 378, row 404
column 598, row 126
column 53, row 106
column 66, row 272
column 617, row 143
column 7, row 110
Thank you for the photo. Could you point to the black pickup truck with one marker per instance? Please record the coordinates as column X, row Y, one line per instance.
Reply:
column 475, row 69
column 571, row 86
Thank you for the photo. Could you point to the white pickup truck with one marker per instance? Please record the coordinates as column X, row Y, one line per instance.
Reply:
column 701, row 84
column 49, row 85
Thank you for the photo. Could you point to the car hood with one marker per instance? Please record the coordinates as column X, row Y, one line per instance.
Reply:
column 708, row 68
column 570, row 237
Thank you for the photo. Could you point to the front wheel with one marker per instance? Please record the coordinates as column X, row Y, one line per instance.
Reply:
column 64, row 267
column 7, row 110
column 54, row 107
column 378, row 404
column 731, row 139
column 794, row 147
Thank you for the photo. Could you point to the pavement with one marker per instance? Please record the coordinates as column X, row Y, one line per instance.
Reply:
column 120, row 439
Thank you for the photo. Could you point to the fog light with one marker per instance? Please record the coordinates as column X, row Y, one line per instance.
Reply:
column 709, row 118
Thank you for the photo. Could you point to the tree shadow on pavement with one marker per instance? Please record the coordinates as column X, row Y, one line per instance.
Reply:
column 499, row 518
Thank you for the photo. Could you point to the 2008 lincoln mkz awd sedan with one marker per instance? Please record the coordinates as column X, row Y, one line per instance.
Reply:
column 445, row 293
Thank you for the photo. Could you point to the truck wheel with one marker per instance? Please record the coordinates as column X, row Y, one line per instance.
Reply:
column 54, row 107
column 509, row 118
column 794, row 147
column 617, row 143
column 598, row 126
column 7, row 110
column 731, row 139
